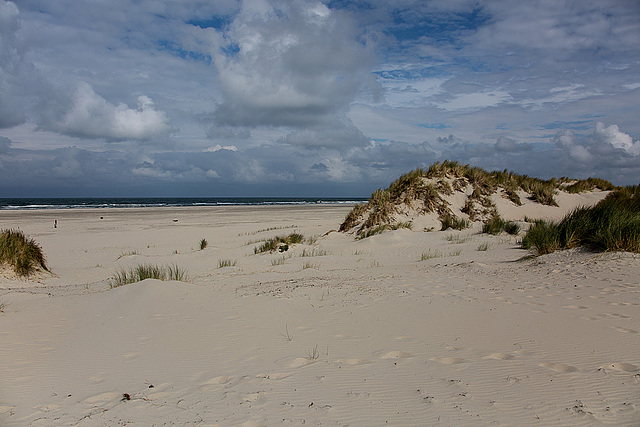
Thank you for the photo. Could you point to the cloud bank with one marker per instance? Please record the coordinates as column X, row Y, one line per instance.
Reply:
column 310, row 97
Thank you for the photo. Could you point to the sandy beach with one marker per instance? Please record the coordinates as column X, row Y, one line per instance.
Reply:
column 404, row 328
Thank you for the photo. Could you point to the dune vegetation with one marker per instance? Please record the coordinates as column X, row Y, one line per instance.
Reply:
column 429, row 191
column 147, row 271
column 280, row 243
column 21, row 253
column 611, row 225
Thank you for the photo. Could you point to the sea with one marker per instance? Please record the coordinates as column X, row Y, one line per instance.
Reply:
column 84, row 203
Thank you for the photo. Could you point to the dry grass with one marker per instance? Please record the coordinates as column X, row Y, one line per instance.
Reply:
column 22, row 253
column 280, row 243
column 428, row 189
column 147, row 271
column 227, row 263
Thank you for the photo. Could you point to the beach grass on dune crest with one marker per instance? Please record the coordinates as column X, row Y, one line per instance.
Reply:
column 22, row 253
column 611, row 225
column 428, row 191
column 147, row 271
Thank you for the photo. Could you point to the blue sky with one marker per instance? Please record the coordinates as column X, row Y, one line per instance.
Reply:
column 310, row 98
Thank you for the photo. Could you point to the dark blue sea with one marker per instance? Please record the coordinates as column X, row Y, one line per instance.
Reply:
column 72, row 203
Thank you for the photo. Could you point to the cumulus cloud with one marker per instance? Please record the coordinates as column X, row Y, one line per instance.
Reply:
column 617, row 139
column 289, row 64
column 606, row 144
column 92, row 116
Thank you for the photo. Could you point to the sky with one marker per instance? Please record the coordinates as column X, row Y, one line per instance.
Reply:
column 158, row 98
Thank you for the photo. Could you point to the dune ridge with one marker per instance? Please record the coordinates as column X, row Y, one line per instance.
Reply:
column 450, row 194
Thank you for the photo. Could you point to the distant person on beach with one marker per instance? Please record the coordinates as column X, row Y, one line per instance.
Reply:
column 55, row 223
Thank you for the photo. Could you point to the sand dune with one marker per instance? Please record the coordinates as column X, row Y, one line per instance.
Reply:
column 356, row 332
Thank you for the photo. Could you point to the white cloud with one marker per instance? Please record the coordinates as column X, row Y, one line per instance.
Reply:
column 607, row 144
column 566, row 140
column 219, row 147
column 92, row 116
column 289, row 64
column 617, row 139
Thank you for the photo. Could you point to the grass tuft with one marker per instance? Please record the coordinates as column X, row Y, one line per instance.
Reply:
column 450, row 221
column 278, row 261
column 227, row 263
column 542, row 238
column 203, row 244
column 430, row 255
column 483, row 247
column 147, row 271
column 496, row 225
column 22, row 253
column 611, row 225
column 280, row 243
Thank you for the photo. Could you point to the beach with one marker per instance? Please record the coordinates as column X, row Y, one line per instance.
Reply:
column 405, row 328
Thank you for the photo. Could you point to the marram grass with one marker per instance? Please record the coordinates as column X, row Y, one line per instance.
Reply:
column 22, row 253
column 279, row 243
column 611, row 225
column 147, row 271
column 429, row 189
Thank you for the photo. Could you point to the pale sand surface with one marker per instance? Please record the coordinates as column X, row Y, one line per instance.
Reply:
column 366, row 335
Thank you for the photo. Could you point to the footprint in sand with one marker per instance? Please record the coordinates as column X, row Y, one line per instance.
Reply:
column 625, row 330
column 275, row 376
column 499, row 356
column 353, row 361
column 559, row 367
column 4, row 409
column 620, row 367
column 218, row 380
column 103, row 398
column 448, row 360
column 301, row 361
column 48, row 407
column 396, row 355
column 575, row 307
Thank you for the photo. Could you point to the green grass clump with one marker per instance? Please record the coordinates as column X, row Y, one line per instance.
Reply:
column 430, row 255
column 589, row 184
column 227, row 263
column 147, row 271
column 611, row 225
column 203, row 244
column 22, row 253
column 542, row 238
column 496, row 225
column 450, row 221
column 279, row 243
